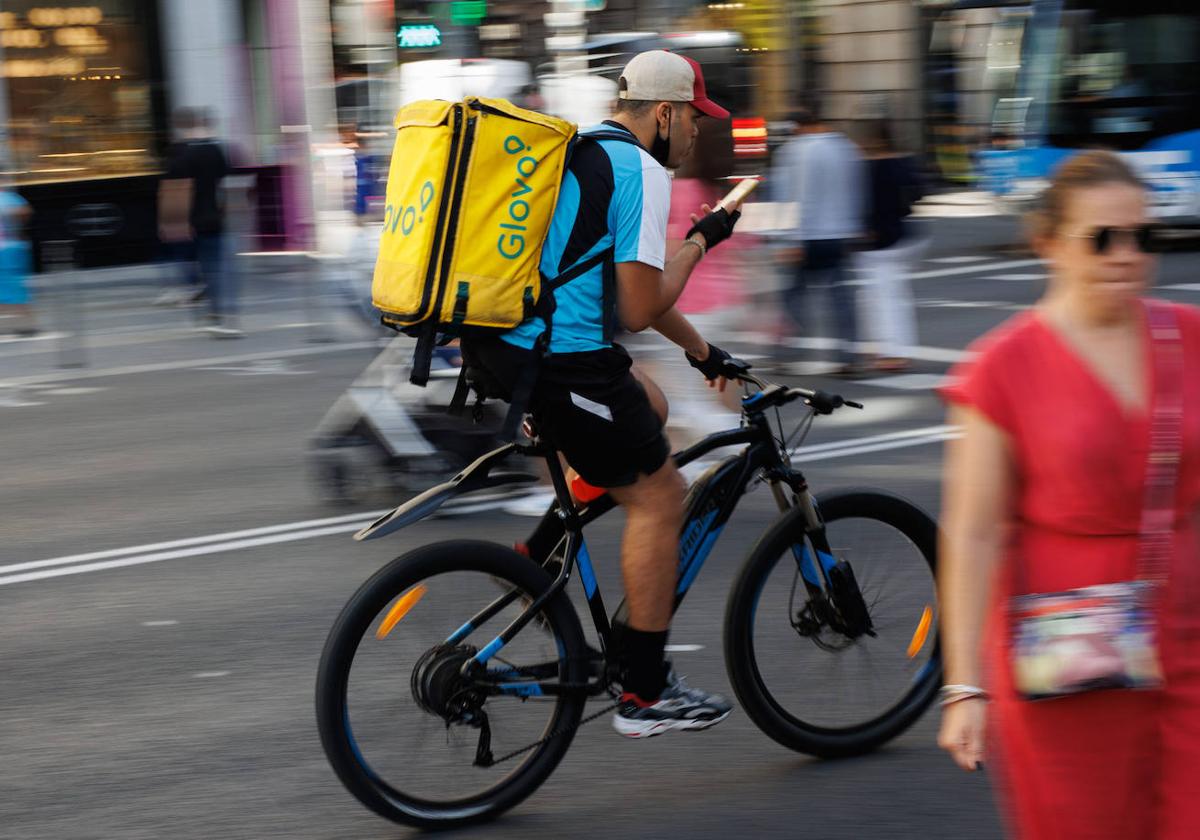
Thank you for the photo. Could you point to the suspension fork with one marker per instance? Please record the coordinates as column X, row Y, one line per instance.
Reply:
column 791, row 491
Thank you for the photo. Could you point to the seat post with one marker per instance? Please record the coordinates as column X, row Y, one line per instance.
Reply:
column 562, row 492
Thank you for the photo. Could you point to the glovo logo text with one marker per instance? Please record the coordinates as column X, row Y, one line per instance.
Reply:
column 406, row 218
column 511, row 245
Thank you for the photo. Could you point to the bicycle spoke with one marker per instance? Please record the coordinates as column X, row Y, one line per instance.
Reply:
column 423, row 752
column 847, row 679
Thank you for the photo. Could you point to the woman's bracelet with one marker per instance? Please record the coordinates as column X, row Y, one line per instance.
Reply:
column 956, row 692
column 700, row 245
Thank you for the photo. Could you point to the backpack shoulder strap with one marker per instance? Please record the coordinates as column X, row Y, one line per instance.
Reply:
column 610, row 134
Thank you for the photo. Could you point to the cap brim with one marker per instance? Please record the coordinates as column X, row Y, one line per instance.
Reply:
column 710, row 109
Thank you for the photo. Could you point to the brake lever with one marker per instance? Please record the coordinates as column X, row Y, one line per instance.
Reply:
column 852, row 404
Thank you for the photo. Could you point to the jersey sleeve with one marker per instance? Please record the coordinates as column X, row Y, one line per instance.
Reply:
column 638, row 216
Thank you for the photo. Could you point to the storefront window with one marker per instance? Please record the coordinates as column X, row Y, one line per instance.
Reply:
column 79, row 90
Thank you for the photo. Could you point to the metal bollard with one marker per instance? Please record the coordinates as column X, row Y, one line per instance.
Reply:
column 314, row 296
column 58, row 260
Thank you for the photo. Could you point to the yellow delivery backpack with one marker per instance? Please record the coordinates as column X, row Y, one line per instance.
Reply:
column 471, row 191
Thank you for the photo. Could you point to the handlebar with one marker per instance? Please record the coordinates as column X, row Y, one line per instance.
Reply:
column 822, row 402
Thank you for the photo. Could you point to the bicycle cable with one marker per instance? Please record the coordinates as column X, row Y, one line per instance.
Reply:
column 801, row 432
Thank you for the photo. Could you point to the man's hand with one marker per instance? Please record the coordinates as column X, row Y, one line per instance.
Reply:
column 714, row 227
column 712, row 365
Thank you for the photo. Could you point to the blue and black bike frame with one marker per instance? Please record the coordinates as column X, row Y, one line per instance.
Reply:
column 710, row 503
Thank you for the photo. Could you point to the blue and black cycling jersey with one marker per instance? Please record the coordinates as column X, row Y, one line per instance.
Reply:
column 614, row 195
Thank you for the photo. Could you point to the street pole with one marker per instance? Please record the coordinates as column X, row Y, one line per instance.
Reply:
column 5, row 159
column 569, row 24
column 58, row 262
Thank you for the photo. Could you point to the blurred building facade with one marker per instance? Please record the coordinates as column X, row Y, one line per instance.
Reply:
column 89, row 91
column 86, row 91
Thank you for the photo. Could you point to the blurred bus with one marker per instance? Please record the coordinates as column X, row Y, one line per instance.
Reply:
column 1102, row 74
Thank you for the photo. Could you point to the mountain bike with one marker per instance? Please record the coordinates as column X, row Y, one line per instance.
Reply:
column 454, row 680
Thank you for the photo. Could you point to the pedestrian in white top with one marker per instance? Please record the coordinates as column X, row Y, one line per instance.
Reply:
column 822, row 172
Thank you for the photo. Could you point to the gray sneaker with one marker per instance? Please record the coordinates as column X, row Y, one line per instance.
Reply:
column 679, row 707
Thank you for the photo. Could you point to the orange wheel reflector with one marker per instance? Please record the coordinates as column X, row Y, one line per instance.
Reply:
column 922, row 633
column 400, row 609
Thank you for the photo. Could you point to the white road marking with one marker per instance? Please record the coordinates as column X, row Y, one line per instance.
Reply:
column 846, row 453
column 185, row 364
column 13, row 397
column 167, row 623
column 71, row 392
column 353, row 518
column 260, row 367
column 946, row 303
column 683, row 648
column 908, row 381
column 927, row 354
column 312, row 529
column 207, row 675
column 972, row 269
column 13, row 339
column 922, row 353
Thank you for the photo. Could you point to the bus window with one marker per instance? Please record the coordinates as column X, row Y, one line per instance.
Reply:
column 1124, row 74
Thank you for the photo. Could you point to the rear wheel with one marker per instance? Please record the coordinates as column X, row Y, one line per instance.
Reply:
column 400, row 724
column 814, row 673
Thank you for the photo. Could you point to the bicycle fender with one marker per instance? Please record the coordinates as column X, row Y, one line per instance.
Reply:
column 475, row 477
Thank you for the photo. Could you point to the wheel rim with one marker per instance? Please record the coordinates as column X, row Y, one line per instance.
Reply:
column 408, row 754
column 825, row 682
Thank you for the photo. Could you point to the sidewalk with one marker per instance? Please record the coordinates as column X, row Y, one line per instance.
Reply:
column 105, row 319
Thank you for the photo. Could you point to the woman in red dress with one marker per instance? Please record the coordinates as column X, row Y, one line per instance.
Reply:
column 1043, row 493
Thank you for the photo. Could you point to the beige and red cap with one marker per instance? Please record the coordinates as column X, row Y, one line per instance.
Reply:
column 661, row 76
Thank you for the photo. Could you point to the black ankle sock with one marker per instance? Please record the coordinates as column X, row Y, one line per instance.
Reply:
column 641, row 654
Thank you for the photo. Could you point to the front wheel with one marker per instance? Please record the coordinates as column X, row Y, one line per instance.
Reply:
column 405, row 729
column 808, row 678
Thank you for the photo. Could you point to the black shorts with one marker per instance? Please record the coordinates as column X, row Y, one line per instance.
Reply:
column 588, row 405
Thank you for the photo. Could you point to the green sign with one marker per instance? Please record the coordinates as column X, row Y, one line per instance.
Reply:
column 467, row 12
column 418, row 36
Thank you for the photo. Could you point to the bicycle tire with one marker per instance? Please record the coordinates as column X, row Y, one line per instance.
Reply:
column 751, row 690
column 355, row 620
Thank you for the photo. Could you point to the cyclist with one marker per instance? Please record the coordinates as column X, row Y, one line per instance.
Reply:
column 604, row 416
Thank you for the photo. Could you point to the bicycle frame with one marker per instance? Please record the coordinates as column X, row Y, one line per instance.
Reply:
column 710, row 503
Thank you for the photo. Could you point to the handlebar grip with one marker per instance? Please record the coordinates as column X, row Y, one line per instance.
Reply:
column 825, row 403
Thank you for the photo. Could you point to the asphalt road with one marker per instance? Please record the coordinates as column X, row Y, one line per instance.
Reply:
column 157, row 690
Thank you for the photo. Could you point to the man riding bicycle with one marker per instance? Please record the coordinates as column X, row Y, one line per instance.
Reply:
column 604, row 416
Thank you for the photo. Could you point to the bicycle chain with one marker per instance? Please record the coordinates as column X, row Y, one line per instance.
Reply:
column 494, row 761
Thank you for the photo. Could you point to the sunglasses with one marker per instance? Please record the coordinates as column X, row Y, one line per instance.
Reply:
column 1144, row 238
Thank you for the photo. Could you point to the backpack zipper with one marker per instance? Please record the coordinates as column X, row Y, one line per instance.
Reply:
column 464, row 164
column 431, row 272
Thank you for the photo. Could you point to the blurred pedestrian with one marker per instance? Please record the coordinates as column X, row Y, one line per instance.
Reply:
column 531, row 98
column 16, row 261
column 893, row 244
column 174, row 218
column 1079, row 465
column 202, row 160
column 822, row 172
column 713, row 298
column 363, row 172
